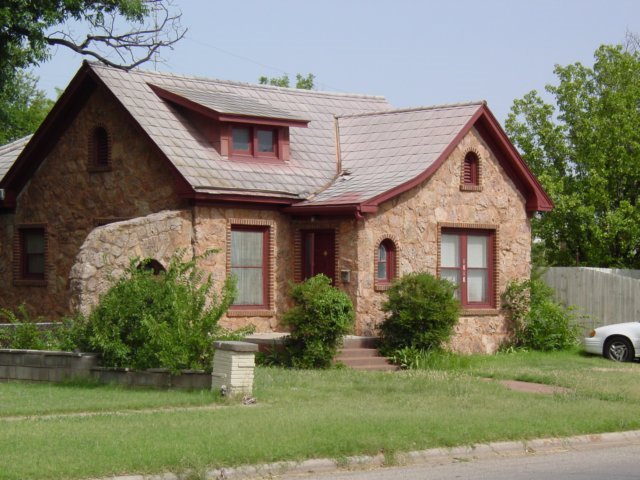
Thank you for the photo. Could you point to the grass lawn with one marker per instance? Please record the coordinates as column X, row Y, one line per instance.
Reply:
column 305, row 414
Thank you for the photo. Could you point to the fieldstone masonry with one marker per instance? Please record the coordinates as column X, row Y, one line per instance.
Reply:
column 108, row 251
column 233, row 365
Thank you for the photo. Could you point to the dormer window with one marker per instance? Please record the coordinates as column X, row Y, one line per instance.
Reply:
column 254, row 141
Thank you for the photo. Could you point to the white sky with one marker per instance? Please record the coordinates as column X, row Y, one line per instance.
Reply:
column 413, row 52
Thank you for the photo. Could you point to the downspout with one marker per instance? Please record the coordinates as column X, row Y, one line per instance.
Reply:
column 336, row 124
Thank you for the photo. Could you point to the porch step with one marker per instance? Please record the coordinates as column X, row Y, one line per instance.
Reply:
column 364, row 359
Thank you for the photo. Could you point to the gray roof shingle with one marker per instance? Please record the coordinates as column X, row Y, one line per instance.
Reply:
column 313, row 152
column 381, row 151
column 9, row 153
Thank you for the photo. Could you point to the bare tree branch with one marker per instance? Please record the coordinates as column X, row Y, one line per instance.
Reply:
column 133, row 44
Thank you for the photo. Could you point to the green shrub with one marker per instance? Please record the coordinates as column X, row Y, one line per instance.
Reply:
column 422, row 312
column 540, row 323
column 25, row 334
column 322, row 315
column 167, row 320
column 416, row 359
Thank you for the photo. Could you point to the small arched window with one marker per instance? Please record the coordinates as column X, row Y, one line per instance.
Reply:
column 99, row 149
column 471, row 170
column 385, row 262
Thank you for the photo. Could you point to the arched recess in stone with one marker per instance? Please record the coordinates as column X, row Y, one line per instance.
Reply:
column 108, row 250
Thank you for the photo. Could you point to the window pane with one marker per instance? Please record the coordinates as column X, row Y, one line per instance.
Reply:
column 382, row 263
column 35, row 264
column 477, row 251
column 454, row 277
column 265, row 141
column 449, row 251
column 241, row 138
column 246, row 248
column 250, row 291
column 34, row 242
column 477, row 286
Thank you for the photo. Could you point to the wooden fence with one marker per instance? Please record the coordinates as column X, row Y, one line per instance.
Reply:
column 604, row 295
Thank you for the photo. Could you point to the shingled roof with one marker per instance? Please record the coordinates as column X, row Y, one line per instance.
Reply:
column 9, row 153
column 313, row 149
column 380, row 152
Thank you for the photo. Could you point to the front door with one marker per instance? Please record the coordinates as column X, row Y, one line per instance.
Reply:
column 319, row 253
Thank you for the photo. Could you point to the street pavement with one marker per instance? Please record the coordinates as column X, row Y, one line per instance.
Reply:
column 596, row 461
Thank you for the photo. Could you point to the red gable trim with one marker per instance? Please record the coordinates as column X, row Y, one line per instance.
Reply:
column 55, row 124
column 45, row 137
column 224, row 117
column 496, row 138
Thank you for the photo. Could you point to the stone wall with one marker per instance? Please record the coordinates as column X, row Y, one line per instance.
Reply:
column 71, row 200
column 413, row 219
column 108, row 251
column 211, row 230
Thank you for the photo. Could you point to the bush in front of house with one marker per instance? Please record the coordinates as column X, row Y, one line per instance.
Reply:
column 422, row 311
column 540, row 323
column 321, row 317
column 161, row 320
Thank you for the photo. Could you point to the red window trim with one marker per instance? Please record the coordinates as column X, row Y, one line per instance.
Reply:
column 253, row 151
column 266, row 297
column 471, row 170
column 22, row 276
column 390, row 269
column 463, row 233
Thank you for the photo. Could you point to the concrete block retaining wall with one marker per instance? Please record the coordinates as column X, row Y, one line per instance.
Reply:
column 50, row 366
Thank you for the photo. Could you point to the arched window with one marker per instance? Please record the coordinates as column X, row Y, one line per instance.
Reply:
column 385, row 262
column 471, row 170
column 99, row 149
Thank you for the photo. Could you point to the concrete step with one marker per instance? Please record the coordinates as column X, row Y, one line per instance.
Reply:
column 364, row 359
column 352, row 341
column 358, row 352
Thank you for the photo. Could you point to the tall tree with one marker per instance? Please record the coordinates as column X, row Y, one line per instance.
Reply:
column 22, row 107
column 586, row 152
column 304, row 83
column 121, row 33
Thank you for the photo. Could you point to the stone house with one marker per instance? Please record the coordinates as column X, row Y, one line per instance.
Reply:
column 285, row 183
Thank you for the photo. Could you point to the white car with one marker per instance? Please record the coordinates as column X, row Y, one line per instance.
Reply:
column 619, row 342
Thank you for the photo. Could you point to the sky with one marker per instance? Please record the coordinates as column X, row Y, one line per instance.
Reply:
column 413, row 52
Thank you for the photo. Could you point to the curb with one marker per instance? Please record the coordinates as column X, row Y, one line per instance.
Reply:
column 434, row 455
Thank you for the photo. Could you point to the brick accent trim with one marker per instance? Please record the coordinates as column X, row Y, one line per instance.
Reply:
column 383, row 286
column 18, row 278
column 270, row 225
column 496, row 262
column 92, row 164
column 465, row 187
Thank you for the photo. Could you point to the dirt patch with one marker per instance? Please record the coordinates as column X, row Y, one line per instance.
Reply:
column 529, row 387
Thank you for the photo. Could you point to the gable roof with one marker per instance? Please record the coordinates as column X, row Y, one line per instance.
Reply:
column 381, row 152
column 9, row 153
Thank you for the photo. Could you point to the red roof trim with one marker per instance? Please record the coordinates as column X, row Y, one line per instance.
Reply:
column 54, row 125
column 332, row 210
column 431, row 169
column 238, row 199
column 537, row 199
column 492, row 132
column 224, row 117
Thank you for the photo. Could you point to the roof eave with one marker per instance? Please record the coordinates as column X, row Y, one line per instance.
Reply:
column 225, row 117
column 537, row 200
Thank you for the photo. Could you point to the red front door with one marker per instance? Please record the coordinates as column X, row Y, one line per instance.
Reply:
column 319, row 253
